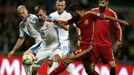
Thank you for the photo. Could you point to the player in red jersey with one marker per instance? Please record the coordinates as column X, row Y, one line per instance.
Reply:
column 103, row 37
column 85, row 22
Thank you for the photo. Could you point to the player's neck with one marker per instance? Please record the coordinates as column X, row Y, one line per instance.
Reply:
column 60, row 12
column 104, row 9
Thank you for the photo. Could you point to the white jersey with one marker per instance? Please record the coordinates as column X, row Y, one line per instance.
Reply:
column 49, row 34
column 27, row 28
column 63, row 34
column 63, row 17
column 50, row 45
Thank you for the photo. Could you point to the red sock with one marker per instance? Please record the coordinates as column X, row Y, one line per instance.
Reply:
column 62, row 66
column 112, row 71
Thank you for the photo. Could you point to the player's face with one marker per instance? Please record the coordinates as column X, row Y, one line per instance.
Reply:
column 60, row 6
column 41, row 15
column 23, row 13
column 103, row 5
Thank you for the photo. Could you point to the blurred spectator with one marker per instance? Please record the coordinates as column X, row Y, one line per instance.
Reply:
column 129, row 39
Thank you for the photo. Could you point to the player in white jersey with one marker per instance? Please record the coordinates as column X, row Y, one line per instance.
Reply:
column 62, row 14
column 50, row 38
column 43, row 48
column 26, row 28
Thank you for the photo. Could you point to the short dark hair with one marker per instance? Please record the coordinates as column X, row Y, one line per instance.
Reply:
column 38, row 8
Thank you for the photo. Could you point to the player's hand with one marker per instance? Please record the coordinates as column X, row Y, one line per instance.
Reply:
column 11, row 53
column 124, row 22
column 50, row 20
column 117, row 44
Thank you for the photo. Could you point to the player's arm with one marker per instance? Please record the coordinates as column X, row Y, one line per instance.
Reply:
column 61, row 23
column 17, row 45
column 115, row 19
column 118, row 31
column 100, row 15
column 19, row 41
column 79, row 36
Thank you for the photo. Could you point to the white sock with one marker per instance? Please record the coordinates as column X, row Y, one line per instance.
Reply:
column 55, row 65
column 70, row 70
column 27, row 70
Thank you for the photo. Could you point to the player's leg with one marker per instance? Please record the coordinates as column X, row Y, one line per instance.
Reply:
column 63, row 64
column 65, row 48
column 28, row 68
column 54, row 58
column 108, row 57
column 41, row 54
column 89, row 61
column 112, row 65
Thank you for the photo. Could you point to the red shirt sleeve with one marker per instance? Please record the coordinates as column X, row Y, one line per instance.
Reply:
column 117, row 28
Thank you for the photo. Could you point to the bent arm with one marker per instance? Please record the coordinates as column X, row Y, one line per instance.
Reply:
column 100, row 15
column 115, row 19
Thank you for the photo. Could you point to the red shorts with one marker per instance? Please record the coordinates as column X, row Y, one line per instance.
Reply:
column 89, row 56
column 105, row 53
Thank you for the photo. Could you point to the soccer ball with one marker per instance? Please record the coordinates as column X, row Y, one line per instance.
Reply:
column 28, row 59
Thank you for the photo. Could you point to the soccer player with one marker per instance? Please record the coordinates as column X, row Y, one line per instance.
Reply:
column 62, row 14
column 49, row 35
column 84, row 21
column 102, row 35
column 50, row 46
column 26, row 28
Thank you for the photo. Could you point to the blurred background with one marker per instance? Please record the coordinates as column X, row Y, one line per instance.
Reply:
column 9, row 23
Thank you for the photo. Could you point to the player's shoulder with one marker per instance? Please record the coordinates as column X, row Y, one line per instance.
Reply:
column 112, row 11
column 67, row 13
column 95, row 9
column 32, row 16
column 53, row 13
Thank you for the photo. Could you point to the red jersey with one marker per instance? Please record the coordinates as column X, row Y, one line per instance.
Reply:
column 103, row 28
column 85, row 24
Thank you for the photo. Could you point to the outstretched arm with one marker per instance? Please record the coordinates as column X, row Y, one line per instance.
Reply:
column 17, row 45
column 63, row 24
column 100, row 15
column 115, row 19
